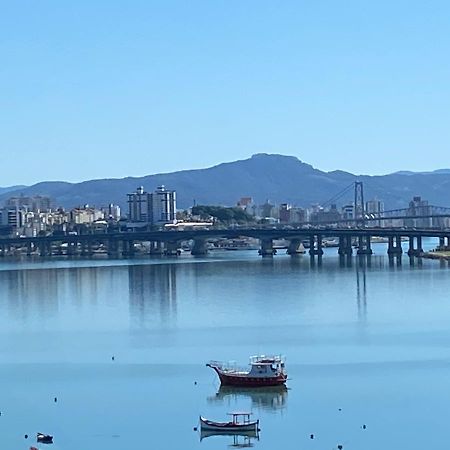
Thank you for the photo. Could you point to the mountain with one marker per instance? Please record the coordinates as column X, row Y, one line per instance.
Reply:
column 407, row 172
column 278, row 178
column 3, row 190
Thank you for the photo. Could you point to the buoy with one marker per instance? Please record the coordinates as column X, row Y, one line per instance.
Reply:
column 26, row 436
column 312, row 436
column 112, row 358
column 340, row 409
column 195, row 383
column 364, row 427
column 340, row 447
column 56, row 399
column 195, row 428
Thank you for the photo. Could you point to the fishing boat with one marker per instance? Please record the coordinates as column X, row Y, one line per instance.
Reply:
column 44, row 438
column 264, row 371
column 240, row 423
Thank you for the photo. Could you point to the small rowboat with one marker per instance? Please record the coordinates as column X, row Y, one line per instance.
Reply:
column 44, row 438
column 235, row 425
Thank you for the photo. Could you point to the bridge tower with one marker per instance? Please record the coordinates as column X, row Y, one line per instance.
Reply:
column 359, row 202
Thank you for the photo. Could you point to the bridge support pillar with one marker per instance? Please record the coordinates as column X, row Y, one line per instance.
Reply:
column 156, row 248
column 415, row 250
column 395, row 247
column 345, row 246
column 199, row 248
column 267, row 248
column 131, row 248
column 72, row 248
column 43, row 248
column 113, row 247
column 171, row 248
column 315, row 247
column 364, row 245
column 295, row 247
column 125, row 248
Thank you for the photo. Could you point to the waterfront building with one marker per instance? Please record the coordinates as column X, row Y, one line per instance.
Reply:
column 156, row 208
column 326, row 216
column 348, row 212
column 297, row 215
column 163, row 206
column 268, row 210
column 247, row 204
column 419, row 207
column 244, row 202
column 85, row 215
column 375, row 207
column 13, row 217
column 285, row 213
column 37, row 203
column 112, row 212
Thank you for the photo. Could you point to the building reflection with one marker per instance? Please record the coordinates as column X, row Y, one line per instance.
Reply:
column 361, row 290
column 39, row 294
column 30, row 293
column 270, row 399
column 153, row 294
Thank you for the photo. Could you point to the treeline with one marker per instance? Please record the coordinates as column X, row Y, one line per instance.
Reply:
column 222, row 214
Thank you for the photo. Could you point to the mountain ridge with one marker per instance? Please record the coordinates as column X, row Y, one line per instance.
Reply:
column 274, row 177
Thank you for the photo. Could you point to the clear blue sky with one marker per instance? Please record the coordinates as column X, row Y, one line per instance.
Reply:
column 94, row 89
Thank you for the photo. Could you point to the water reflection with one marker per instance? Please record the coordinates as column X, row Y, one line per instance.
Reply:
column 269, row 399
column 30, row 289
column 243, row 439
column 153, row 294
column 361, row 291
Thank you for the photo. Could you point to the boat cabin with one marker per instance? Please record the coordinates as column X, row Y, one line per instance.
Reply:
column 266, row 366
column 235, row 415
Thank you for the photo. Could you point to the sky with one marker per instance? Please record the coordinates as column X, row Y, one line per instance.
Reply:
column 104, row 88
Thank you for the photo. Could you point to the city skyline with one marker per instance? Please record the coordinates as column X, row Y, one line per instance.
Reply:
column 360, row 88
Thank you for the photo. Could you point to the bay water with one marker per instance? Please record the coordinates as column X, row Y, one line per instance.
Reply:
column 110, row 354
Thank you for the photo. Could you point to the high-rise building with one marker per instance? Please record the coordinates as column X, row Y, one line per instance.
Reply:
column 285, row 213
column 348, row 212
column 419, row 207
column 13, row 217
column 374, row 208
column 38, row 203
column 156, row 208
column 163, row 206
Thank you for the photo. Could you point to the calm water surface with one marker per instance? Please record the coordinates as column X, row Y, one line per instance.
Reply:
column 370, row 339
